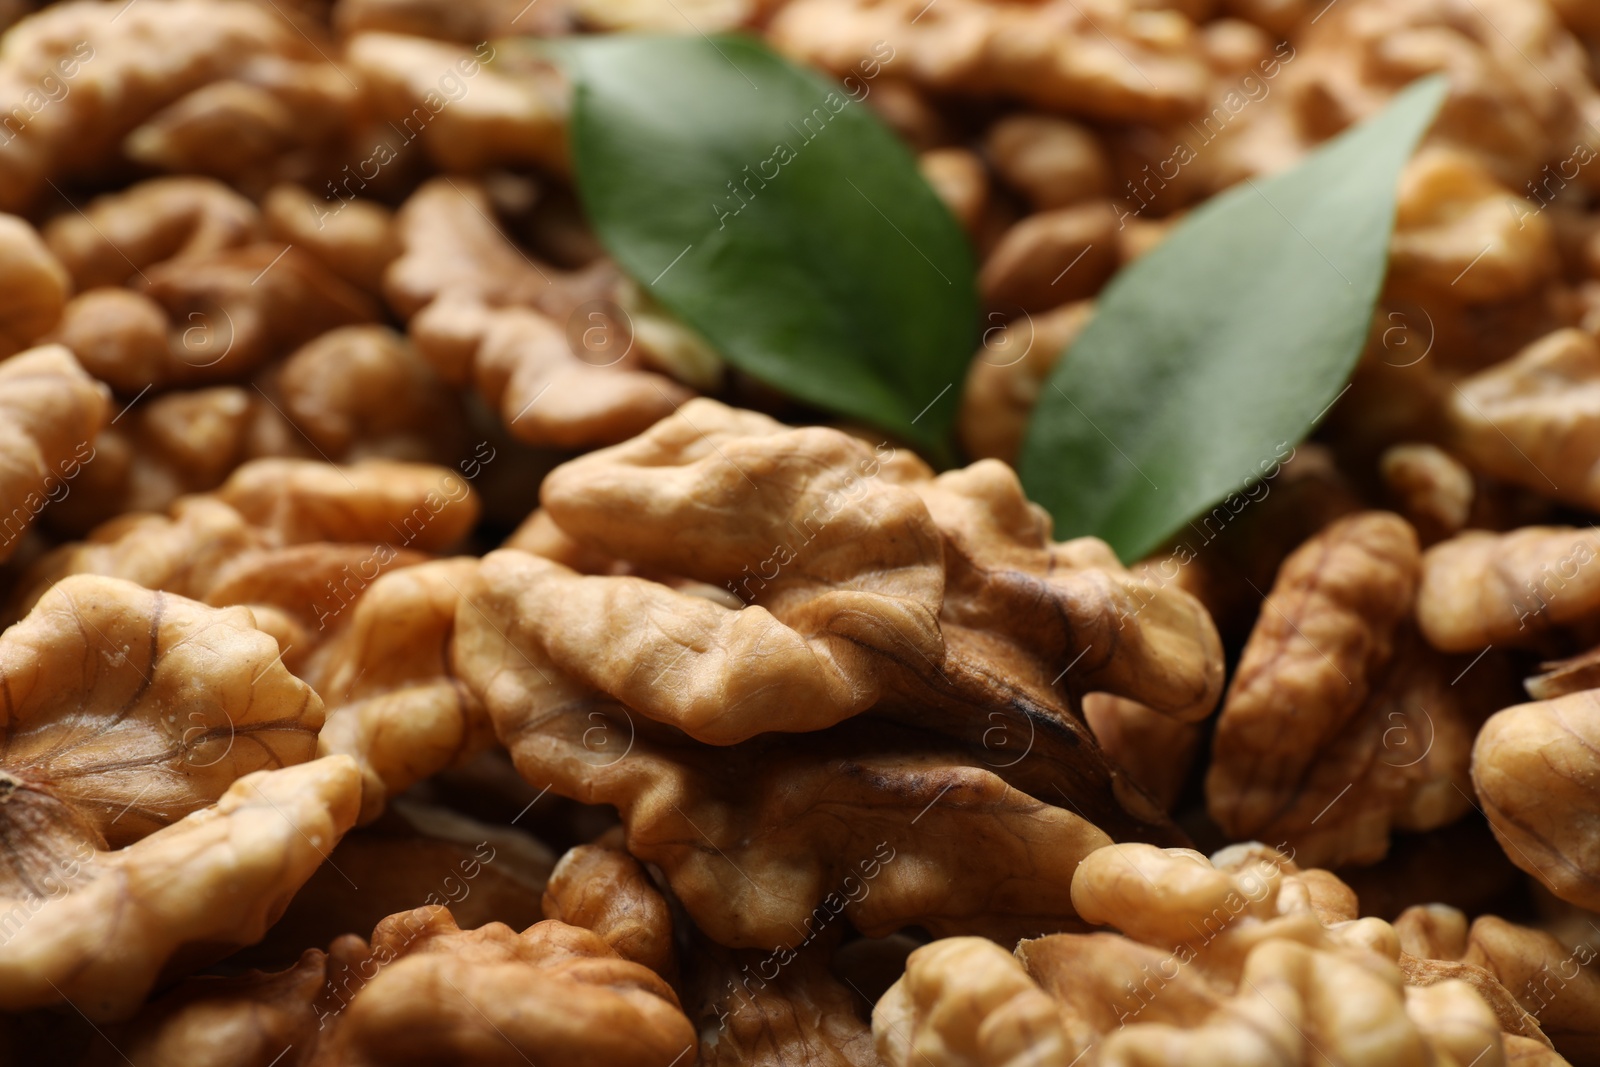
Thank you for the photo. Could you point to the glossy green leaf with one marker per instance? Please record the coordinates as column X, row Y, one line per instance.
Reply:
column 1214, row 354
column 769, row 209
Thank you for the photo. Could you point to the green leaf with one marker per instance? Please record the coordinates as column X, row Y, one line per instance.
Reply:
column 770, row 210
column 1211, row 356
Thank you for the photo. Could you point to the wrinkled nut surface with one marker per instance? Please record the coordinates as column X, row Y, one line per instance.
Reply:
column 50, row 411
column 1249, row 960
column 132, row 720
column 601, row 888
column 1534, row 420
column 424, row 991
column 393, row 704
column 33, row 286
column 1433, row 490
column 1537, row 775
column 1481, row 588
column 1104, row 60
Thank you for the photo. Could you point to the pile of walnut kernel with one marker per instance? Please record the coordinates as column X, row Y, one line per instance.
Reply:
column 401, row 669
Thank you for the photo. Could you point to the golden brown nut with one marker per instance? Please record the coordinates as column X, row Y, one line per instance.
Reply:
column 601, row 888
column 959, row 179
column 668, row 16
column 451, row 20
column 424, row 991
column 362, row 391
column 84, row 75
column 1340, row 722
column 1461, row 236
column 1103, row 59
column 393, row 704
column 1481, row 588
column 109, row 774
column 1051, row 258
column 1520, row 93
column 298, row 540
column 1154, row 749
column 1534, row 767
column 468, row 116
column 272, row 119
column 1247, row 961
column 415, row 855
column 353, row 238
column 50, row 411
column 1534, row 420
column 208, row 317
column 1433, row 489
column 120, row 234
column 1051, row 161
column 33, row 286
column 1004, row 378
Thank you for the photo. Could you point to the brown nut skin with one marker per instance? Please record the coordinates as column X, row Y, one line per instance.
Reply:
column 33, row 283
column 1008, row 371
column 393, row 704
column 354, row 238
column 119, row 234
column 1537, row 776
column 1051, row 258
column 1534, row 420
column 601, row 888
column 50, row 411
column 1341, row 723
column 512, row 114
column 362, row 391
column 119, row 70
column 1052, row 161
column 1107, row 62
column 468, row 23
column 959, row 178
column 1433, row 490
column 424, row 991
column 1481, row 588
column 109, row 791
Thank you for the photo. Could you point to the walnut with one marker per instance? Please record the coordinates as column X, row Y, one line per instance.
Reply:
column 1462, row 237
column 1541, row 989
column 913, row 603
column 1341, row 722
column 668, row 16
column 415, row 855
column 1520, row 93
column 208, row 318
column 601, row 888
column 1052, row 257
column 1248, row 960
column 297, row 540
column 393, row 704
column 467, row 115
column 34, row 284
column 424, row 991
column 1051, row 161
column 272, row 119
column 50, row 411
column 449, row 20
column 362, row 391
column 1154, row 749
column 354, row 238
column 112, row 791
column 1433, row 489
column 1534, row 769
column 1103, row 60
column 1005, row 376
column 120, row 234
column 1534, row 420
column 958, row 177
column 1481, row 588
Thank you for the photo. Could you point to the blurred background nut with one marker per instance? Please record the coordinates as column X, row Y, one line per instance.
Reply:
column 353, row 238
column 50, row 411
column 116, row 69
column 1051, row 258
column 1481, row 588
column 1104, row 60
column 450, row 20
column 99, row 762
column 118, row 235
column 34, row 285
column 1051, row 161
column 1433, row 490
